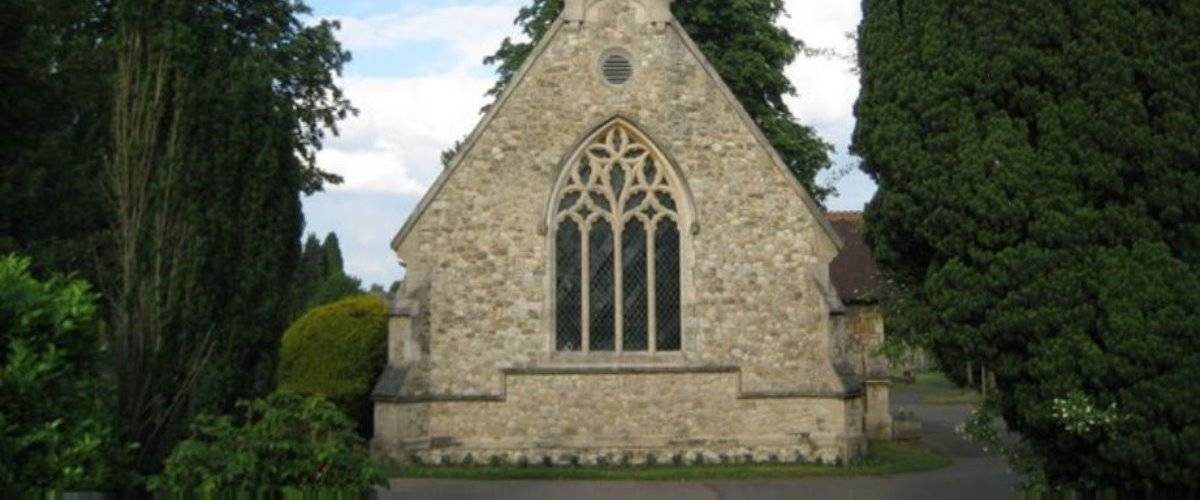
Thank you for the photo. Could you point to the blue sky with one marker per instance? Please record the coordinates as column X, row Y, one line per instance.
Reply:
column 418, row 78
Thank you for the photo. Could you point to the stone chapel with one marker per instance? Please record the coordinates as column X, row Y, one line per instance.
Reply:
column 618, row 267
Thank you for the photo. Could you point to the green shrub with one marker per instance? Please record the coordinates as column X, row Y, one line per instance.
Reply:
column 282, row 441
column 337, row 351
column 55, row 427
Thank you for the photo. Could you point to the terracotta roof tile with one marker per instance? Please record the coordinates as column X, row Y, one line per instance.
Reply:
column 854, row 272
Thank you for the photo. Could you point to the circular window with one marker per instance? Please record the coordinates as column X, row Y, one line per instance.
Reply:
column 616, row 67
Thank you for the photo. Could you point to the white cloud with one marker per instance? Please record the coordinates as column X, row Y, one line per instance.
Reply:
column 827, row 89
column 395, row 144
column 472, row 31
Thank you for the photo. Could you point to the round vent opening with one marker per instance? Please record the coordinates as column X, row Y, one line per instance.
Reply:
column 616, row 68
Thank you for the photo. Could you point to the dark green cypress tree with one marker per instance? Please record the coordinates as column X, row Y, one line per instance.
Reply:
column 321, row 277
column 221, row 107
column 55, row 95
column 1038, row 167
column 749, row 51
column 309, row 273
column 332, row 258
column 258, row 114
column 334, row 283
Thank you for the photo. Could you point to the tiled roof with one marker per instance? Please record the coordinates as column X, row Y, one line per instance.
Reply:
column 854, row 272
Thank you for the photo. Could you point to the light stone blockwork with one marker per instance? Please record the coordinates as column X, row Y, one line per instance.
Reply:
column 864, row 334
column 762, row 373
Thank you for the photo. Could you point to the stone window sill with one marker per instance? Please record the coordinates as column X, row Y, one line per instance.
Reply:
column 617, row 363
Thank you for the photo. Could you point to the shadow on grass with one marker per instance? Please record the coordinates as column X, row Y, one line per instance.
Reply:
column 884, row 458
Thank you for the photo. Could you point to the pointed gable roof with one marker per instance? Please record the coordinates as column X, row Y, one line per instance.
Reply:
column 815, row 209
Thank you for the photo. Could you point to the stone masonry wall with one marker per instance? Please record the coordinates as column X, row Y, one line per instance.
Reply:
column 864, row 328
column 607, row 416
column 478, row 269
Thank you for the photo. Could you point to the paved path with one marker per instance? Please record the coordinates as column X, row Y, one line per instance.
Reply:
column 975, row 475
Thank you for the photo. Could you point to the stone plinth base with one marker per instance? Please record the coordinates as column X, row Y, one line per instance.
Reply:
column 622, row 415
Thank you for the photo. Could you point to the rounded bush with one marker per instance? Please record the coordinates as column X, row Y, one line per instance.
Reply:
column 337, row 351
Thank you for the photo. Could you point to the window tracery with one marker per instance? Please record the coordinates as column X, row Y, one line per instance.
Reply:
column 617, row 244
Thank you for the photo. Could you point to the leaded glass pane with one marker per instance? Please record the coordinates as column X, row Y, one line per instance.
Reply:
column 666, row 285
column 602, row 292
column 665, row 200
column 634, row 200
column 617, row 181
column 635, row 333
column 585, row 170
column 568, row 201
column 599, row 200
column 569, row 303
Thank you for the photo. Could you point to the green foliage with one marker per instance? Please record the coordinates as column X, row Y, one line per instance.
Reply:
column 321, row 277
column 281, row 441
column 742, row 41
column 55, row 428
column 54, row 111
column 337, row 351
column 159, row 149
column 1039, row 173
column 220, row 108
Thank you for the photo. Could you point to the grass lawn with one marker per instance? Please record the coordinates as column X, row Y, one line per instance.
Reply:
column 885, row 457
column 935, row 389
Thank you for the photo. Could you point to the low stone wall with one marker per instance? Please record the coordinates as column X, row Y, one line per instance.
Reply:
column 675, row 415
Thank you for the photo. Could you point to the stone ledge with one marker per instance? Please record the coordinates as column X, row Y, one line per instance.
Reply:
column 439, row 398
column 616, row 369
column 800, row 394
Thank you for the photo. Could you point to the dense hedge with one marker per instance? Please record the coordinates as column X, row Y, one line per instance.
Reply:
column 337, row 351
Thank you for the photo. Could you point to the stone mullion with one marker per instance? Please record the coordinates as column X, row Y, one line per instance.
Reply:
column 585, row 287
column 618, row 286
column 618, row 210
column 651, row 307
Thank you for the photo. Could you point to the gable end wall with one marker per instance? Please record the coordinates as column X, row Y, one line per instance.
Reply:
column 477, row 253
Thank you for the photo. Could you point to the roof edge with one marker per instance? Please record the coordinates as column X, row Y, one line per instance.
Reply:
column 814, row 208
column 473, row 138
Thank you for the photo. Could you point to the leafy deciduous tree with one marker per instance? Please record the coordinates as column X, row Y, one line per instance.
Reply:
column 281, row 441
column 55, row 430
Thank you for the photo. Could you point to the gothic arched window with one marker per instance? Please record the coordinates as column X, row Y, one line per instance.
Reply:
column 617, row 245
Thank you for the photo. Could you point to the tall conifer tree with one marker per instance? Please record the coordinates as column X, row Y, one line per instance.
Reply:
column 220, row 107
column 1038, row 211
column 322, row 277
